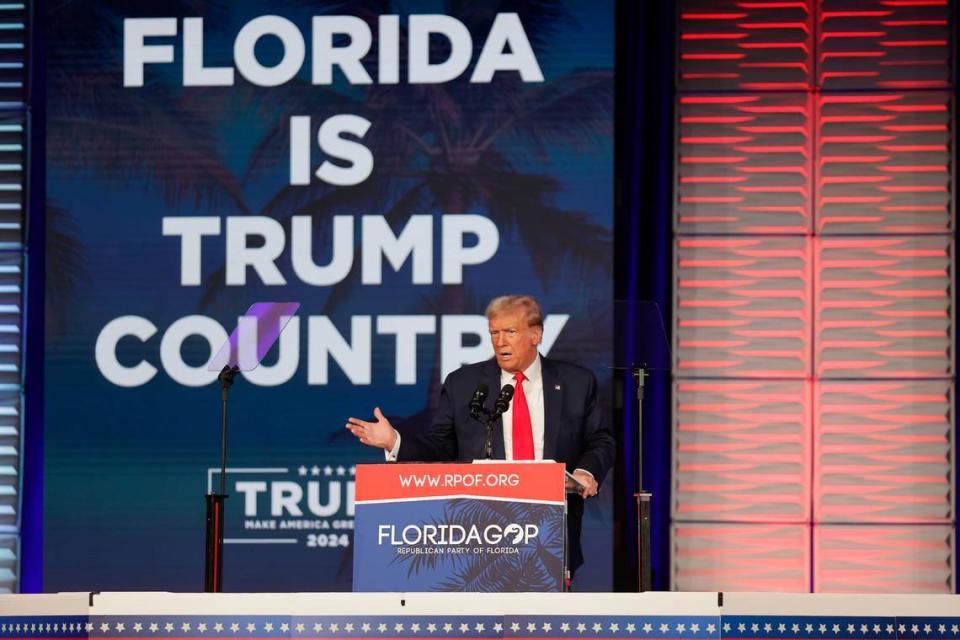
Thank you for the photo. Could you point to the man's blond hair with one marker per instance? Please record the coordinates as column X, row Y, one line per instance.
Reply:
column 506, row 304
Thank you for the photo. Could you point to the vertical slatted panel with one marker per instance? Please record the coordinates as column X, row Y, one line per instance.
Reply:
column 13, row 154
column 814, row 222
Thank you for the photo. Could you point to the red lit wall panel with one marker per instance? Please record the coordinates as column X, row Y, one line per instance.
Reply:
column 743, row 164
column 741, row 557
column 884, row 451
column 884, row 163
column 742, row 451
column 813, row 296
column 752, row 46
column 883, row 559
column 883, row 44
column 742, row 307
column 883, row 307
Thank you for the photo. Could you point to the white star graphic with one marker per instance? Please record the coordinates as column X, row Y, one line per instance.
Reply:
column 218, row 627
column 251, row 627
column 334, row 626
column 631, row 627
column 614, row 627
column 914, row 628
column 268, row 626
column 341, row 470
column 954, row 629
column 565, row 627
column 302, row 470
column 415, row 627
column 234, row 627
column 353, row 471
column 348, row 627
column 104, row 626
column 365, row 627
column 581, row 627
column 942, row 628
column 515, row 627
column 808, row 628
column 120, row 626
column 664, row 628
column 851, row 628
column 876, row 628
column 480, row 627
column 754, row 627
column 681, row 628
column 464, row 627
column 695, row 628
column 299, row 627
column 328, row 470
column 202, row 627
column 497, row 627
column 547, row 626
column 531, row 626
column 597, row 626
column 781, row 627
column 711, row 628
column 431, row 627
column 381, row 627
column 767, row 627
column 863, row 628
column 647, row 627
column 926, row 628
column 284, row 627
column 902, row 628
column 822, row 628
column 314, row 470
column 153, row 627
column 447, row 627
column 398, row 627
column 185, row 626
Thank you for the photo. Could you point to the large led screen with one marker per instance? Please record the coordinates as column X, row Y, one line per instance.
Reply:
column 391, row 166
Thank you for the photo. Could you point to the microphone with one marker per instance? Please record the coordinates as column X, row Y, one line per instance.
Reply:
column 503, row 400
column 476, row 403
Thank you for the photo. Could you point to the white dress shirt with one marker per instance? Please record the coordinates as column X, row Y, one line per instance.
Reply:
column 533, row 392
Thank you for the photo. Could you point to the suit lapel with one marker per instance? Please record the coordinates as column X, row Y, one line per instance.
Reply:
column 492, row 380
column 552, row 408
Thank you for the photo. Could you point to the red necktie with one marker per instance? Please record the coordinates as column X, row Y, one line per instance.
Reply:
column 522, row 427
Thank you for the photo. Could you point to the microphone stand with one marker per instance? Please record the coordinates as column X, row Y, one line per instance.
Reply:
column 486, row 418
column 213, row 560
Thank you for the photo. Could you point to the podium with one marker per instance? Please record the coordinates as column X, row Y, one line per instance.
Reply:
column 487, row 526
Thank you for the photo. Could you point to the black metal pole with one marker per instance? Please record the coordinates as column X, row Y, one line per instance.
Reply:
column 642, row 497
column 213, row 556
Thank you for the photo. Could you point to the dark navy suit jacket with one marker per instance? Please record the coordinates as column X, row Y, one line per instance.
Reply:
column 574, row 431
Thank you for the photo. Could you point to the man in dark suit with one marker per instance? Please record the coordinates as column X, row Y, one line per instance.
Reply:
column 554, row 414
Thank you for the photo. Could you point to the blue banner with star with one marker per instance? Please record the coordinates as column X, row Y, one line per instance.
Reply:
column 543, row 627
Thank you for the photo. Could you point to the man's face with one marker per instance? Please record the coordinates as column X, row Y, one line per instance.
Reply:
column 514, row 342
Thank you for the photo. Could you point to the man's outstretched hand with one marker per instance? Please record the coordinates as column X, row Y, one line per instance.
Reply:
column 378, row 434
column 590, row 486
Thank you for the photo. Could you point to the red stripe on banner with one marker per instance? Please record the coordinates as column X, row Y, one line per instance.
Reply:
column 542, row 481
